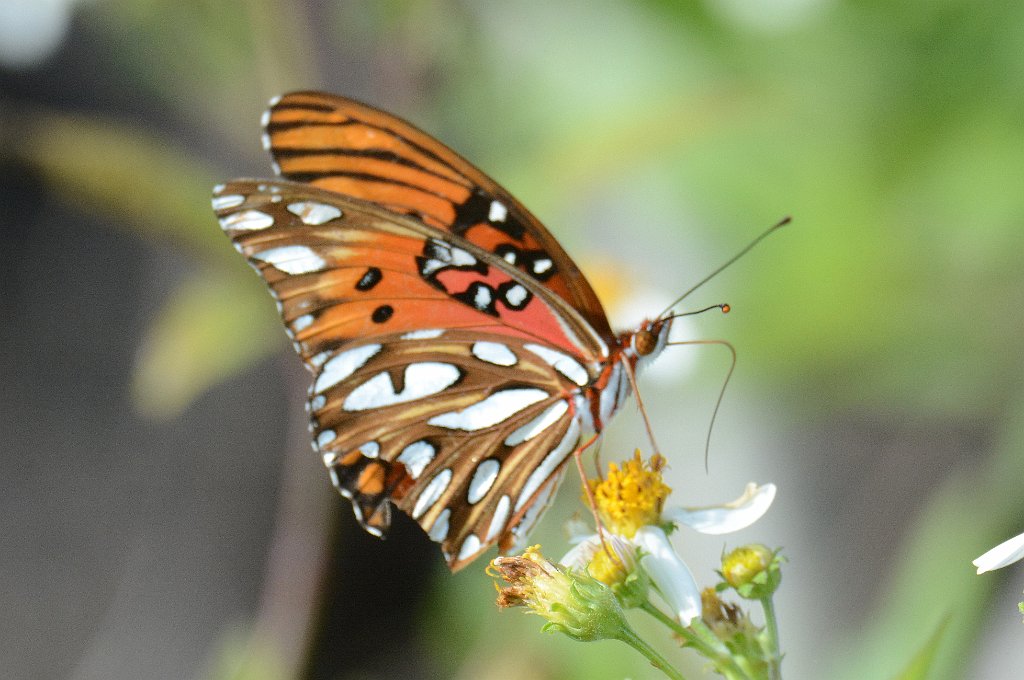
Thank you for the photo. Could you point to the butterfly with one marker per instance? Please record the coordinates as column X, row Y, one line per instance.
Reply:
column 460, row 357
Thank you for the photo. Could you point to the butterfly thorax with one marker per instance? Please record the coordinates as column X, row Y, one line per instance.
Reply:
column 636, row 348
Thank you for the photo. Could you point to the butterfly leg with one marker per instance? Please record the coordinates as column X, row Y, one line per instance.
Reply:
column 591, row 501
column 640, row 404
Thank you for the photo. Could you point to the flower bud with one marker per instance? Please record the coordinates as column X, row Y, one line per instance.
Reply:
column 752, row 570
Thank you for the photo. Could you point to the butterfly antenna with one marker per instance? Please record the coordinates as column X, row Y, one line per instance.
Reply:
column 724, row 306
column 781, row 223
column 721, row 393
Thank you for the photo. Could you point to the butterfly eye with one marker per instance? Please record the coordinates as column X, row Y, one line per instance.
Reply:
column 644, row 342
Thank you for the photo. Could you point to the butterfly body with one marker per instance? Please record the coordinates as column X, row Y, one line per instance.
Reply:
column 460, row 358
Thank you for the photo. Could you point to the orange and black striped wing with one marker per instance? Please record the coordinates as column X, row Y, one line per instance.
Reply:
column 356, row 150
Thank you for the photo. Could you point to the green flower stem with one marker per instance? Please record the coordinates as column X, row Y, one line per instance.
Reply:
column 770, row 639
column 703, row 640
column 657, row 660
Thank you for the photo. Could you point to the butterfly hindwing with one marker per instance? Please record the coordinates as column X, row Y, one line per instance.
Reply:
column 464, row 431
column 354, row 149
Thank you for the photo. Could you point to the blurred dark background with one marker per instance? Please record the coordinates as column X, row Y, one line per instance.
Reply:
column 163, row 515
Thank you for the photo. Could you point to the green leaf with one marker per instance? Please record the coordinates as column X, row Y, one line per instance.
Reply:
column 212, row 327
column 112, row 169
column 247, row 656
column 922, row 663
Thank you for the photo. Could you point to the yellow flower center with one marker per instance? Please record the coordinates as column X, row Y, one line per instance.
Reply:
column 631, row 496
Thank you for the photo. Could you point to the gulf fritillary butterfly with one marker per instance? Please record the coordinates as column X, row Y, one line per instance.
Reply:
column 460, row 357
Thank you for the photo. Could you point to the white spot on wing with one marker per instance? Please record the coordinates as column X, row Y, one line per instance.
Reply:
column 227, row 201
column 515, row 295
column 563, row 363
column 483, row 479
column 461, row 258
column 325, row 438
column 490, row 411
column 251, row 220
column 432, row 492
column 265, row 118
column 343, row 365
column 494, row 353
column 416, row 456
column 421, row 380
column 319, row 359
column 292, row 259
column 424, row 334
column 370, row 449
column 542, row 265
column 430, row 266
column 470, row 547
column 317, row 402
column 313, row 213
column 439, row 529
column 533, row 428
column 499, row 518
column 498, row 212
column 482, row 297
column 265, row 139
column 551, row 462
column 274, row 100
column 302, row 323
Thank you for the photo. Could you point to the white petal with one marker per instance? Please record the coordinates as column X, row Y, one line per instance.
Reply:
column 579, row 555
column 582, row 554
column 577, row 531
column 669, row 573
column 1003, row 554
column 729, row 517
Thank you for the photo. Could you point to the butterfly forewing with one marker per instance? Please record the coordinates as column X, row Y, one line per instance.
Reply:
column 344, row 269
column 354, row 149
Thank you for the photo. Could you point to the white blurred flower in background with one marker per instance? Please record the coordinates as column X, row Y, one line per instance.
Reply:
column 32, row 30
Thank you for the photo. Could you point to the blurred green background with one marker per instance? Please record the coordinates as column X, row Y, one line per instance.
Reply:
column 163, row 514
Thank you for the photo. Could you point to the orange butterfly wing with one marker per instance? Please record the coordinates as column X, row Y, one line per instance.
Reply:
column 356, row 150
column 462, row 415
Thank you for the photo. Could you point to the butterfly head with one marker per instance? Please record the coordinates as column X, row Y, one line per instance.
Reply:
column 650, row 339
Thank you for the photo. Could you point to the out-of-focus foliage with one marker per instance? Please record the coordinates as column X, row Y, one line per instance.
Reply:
column 660, row 135
column 921, row 665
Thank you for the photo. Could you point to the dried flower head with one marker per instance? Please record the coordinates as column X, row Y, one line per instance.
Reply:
column 573, row 603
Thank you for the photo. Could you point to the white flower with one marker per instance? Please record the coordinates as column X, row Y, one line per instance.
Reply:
column 32, row 30
column 667, row 571
column 1003, row 554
